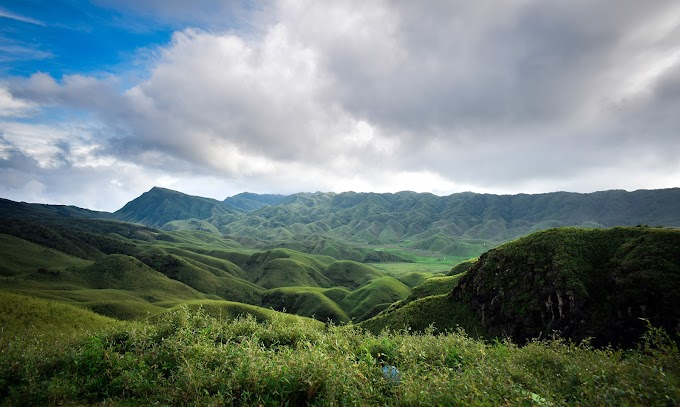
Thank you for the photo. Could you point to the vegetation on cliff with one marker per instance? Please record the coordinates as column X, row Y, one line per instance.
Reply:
column 582, row 283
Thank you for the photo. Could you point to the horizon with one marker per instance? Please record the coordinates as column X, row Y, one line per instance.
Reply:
column 101, row 100
column 337, row 193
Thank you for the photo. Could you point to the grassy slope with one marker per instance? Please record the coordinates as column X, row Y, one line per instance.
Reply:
column 383, row 290
column 305, row 301
column 188, row 357
column 224, row 286
column 29, row 317
column 283, row 267
column 230, row 310
column 350, row 274
column 461, row 225
column 434, row 286
column 428, row 305
column 436, row 311
column 173, row 267
column 19, row 256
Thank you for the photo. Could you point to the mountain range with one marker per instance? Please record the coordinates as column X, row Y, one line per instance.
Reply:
column 339, row 224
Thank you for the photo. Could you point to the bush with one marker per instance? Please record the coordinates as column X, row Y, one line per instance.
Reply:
column 191, row 358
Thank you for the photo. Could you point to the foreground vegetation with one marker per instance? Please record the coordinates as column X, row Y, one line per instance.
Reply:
column 187, row 357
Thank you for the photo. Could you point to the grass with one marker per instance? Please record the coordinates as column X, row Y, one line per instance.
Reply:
column 434, row 286
column 426, row 263
column 229, row 310
column 383, row 290
column 305, row 301
column 20, row 256
column 283, row 272
column 436, row 312
column 25, row 318
column 224, row 286
column 188, row 357
column 350, row 274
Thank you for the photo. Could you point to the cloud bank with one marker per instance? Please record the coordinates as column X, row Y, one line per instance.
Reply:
column 502, row 97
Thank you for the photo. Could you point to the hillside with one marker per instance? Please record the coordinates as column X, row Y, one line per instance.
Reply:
column 160, row 206
column 596, row 284
column 248, row 201
column 464, row 224
column 128, row 271
column 23, row 210
column 371, row 227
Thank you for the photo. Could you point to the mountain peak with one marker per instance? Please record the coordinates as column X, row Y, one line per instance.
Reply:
column 159, row 206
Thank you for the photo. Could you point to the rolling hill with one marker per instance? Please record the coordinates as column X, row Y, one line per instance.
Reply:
column 128, row 271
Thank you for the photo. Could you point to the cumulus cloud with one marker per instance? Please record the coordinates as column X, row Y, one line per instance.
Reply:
column 510, row 96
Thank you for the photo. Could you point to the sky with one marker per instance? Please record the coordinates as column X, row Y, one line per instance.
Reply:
column 102, row 100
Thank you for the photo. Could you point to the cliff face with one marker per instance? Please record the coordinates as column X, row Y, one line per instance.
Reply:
column 582, row 283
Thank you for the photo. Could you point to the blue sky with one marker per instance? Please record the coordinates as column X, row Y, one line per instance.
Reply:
column 101, row 100
column 70, row 37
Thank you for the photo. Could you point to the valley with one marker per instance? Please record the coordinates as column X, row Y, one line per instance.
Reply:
column 382, row 275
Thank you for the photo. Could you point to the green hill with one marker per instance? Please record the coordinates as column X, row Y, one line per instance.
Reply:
column 349, row 225
column 30, row 318
column 304, row 301
column 27, row 211
column 159, row 206
column 428, row 306
column 230, row 310
column 463, row 225
column 436, row 312
column 123, row 272
column 19, row 256
column 597, row 283
column 224, row 285
column 350, row 274
column 126, row 270
column 383, row 290
column 286, row 268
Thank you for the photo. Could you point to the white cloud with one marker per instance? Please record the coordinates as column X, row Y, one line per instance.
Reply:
column 13, row 107
column 7, row 14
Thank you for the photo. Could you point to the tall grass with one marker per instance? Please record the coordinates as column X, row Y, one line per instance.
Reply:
column 190, row 358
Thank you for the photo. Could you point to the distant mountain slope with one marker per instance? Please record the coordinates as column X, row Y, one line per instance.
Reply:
column 160, row 206
column 595, row 283
column 459, row 224
column 248, row 201
column 462, row 225
column 23, row 210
